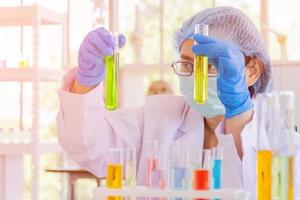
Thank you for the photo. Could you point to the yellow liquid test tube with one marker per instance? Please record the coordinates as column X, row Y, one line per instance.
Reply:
column 114, row 172
column 291, row 179
column 114, row 175
column 200, row 69
column 111, row 78
column 264, row 160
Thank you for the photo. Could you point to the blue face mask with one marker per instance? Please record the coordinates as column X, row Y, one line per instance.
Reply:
column 212, row 107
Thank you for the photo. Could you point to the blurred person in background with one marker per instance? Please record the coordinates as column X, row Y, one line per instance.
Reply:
column 159, row 87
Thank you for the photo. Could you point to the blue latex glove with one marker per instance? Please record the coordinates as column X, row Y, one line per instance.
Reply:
column 91, row 57
column 231, row 82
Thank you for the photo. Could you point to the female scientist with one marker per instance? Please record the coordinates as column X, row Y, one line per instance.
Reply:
column 227, row 119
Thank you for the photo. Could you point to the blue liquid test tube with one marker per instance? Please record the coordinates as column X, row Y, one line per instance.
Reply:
column 216, row 168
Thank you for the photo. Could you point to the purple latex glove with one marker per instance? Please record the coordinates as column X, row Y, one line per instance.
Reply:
column 91, row 57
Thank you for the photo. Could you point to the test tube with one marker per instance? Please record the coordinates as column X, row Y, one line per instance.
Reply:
column 179, row 161
column 264, row 153
column 111, row 77
column 114, row 171
column 287, row 110
column 264, row 158
column 200, row 69
column 216, row 168
column 155, row 167
column 291, row 179
column 152, row 160
column 202, row 171
column 130, row 167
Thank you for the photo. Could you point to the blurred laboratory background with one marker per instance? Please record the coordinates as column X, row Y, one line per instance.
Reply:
column 39, row 42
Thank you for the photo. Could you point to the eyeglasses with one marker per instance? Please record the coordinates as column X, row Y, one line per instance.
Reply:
column 186, row 68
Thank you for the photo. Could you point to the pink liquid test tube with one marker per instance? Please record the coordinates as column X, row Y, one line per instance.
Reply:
column 152, row 164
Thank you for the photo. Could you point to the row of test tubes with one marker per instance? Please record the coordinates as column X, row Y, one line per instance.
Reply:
column 12, row 135
column 181, row 169
column 115, row 167
column 277, row 147
column 199, row 169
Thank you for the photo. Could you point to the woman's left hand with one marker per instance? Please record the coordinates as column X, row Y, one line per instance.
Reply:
column 231, row 82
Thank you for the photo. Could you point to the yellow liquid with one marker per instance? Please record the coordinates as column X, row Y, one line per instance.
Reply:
column 291, row 179
column 200, row 79
column 114, row 179
column 264, row 159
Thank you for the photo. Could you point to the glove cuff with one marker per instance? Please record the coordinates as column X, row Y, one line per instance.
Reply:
column 89, row 81
column 245, row 106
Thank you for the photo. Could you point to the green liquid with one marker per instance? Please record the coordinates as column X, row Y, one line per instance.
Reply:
column 276, row 177
column 284, row 176
column 280, row 177
column 111, row 82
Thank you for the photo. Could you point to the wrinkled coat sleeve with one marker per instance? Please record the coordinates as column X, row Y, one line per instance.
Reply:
column 86, row 130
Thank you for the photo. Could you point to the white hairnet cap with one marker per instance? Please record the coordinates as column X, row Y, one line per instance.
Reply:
column 230, row 25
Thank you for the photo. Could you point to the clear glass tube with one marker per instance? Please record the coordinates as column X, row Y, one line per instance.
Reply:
column 179, row 167
column 216, row 168
column 114, row 174
column 200, row 69
column 202, row 172
column 154, row 167
column 111, row 77
column 264, row 160
column 115, row 168
column 130, row 167
column 286, row 157
column 291, row 179
column 264, row 153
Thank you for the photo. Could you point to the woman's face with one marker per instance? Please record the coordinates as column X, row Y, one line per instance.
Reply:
column 253, row 70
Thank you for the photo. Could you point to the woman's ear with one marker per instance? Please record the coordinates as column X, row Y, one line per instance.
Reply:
column 253, row 71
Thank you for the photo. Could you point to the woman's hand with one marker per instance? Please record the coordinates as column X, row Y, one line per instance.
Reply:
column 232, row 85
column 91, row 57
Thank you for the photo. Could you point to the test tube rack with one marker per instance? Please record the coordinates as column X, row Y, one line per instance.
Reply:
column 143, row 191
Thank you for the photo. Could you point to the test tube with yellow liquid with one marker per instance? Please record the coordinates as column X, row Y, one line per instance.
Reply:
column 200, row 69
column 264, row 160
column 263, row 155
column 114, row 171
column 112, row 76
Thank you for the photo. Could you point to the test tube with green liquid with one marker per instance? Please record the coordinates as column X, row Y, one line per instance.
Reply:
column 111, row 77
column 200, row 69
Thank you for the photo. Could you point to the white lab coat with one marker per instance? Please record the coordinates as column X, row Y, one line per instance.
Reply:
column 87, row 131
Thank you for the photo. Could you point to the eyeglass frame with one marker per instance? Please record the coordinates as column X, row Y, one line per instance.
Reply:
column 192, row 66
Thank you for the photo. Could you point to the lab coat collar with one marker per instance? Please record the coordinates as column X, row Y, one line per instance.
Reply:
column 192, row 120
